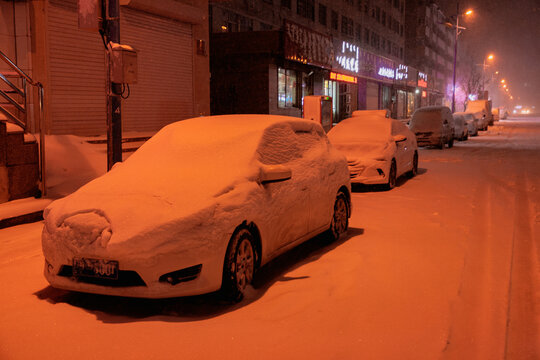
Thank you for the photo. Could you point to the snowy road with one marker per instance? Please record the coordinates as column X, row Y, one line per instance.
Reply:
column 445, row 266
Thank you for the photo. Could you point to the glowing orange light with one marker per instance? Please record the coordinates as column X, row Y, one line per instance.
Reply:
column 424, row 94
column 342, row 77
column 468, row 12
column 490, row 57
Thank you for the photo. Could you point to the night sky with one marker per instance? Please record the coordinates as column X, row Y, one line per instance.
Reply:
column 510, row 30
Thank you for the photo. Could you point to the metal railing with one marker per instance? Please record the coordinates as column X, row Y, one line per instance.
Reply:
column 21, row 119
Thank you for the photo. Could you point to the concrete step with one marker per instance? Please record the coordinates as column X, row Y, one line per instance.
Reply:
column 19, row 163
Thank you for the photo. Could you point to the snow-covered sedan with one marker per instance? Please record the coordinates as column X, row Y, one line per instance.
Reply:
column 378, row 149
column 198, row 208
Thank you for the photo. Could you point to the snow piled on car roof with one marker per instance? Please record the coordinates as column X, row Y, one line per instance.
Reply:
column 179, row 173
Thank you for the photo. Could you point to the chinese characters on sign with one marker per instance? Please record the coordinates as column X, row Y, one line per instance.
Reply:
column 307, row 46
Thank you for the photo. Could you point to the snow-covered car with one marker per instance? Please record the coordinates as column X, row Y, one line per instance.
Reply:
column 461, row 131
column 433, row 126
column 198, row 208
column 471, row 121
column 378, row 149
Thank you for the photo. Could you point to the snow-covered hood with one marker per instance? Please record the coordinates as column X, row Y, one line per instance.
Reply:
column 164, row 183
column 376, row 150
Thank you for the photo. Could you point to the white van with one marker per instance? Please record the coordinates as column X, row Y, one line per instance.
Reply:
column 433, row 126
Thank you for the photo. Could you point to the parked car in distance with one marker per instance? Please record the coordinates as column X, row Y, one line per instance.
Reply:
column 433, row 126
column 484, row 106
column 461, row 131
column 378, row 149
column 198, row 208
column 471, row 122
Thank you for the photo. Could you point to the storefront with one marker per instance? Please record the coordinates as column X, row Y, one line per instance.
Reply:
column 70, row 62
column 268, row 72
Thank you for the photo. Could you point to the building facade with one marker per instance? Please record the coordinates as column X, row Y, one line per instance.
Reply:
column 429, row 47
column 364, row 39
column 171, row 41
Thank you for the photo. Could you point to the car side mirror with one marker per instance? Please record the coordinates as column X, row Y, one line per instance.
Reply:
column 399, row 138
column 273, row 173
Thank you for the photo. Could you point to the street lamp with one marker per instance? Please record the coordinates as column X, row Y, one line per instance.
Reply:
column 458, row 28
column 489, row 57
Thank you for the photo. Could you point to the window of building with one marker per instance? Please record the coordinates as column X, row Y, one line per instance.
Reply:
column 375, row 40
column 383, row 18
column 335, row 20
column 322, row 14
column 401, row 53
column 350, row 2
column 306, row 8
column 286, row 3
column 287, row 88
column 378, row 13
column 347, row 26
column 358, row 35
column 366, row 36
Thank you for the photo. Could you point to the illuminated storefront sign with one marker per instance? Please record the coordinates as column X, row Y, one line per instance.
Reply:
column 402, row 72
column 349, row 57
column 422, row 79
column 342, row 77
column 424, row 93
column 386, row 72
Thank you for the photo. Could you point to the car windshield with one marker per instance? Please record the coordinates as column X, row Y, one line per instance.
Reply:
column 360, row 129
column 426, row 120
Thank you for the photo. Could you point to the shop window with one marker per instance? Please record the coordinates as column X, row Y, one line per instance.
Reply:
column 322, row 14
column 287, row 88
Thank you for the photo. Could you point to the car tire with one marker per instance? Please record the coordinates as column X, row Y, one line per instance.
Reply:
column 441, row 144
column 340, row 217
column 392, row 176
column 414, row 170
column 239, row 265
column 466, row 136
column 451, row 142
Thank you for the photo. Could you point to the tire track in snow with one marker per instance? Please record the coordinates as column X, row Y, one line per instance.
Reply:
column 478, row 314
column 522, row 329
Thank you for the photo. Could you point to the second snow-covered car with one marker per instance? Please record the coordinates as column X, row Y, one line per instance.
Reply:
column 471, row 121
column 378, row 149
column 433, row 126
column 198, row 207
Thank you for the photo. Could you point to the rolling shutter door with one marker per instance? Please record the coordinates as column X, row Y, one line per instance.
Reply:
column 372, row 95
column 164, row 90
column 76, row 60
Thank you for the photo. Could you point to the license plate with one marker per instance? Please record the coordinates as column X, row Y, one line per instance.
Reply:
column 100, row 268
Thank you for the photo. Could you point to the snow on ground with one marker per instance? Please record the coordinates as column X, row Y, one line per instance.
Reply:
column 443, row 266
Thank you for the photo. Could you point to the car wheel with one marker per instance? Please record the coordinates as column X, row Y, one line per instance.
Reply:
column 340, row 218
column 414, row 170
column 441, row 143
column 466, row 136
column 451, row 142
column 239, row 265
column 392, row 176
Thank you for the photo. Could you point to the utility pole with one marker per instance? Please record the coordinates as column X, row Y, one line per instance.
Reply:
column 114, row 90
column 455, row 59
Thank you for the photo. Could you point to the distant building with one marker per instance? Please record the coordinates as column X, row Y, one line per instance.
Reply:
column 429, row 47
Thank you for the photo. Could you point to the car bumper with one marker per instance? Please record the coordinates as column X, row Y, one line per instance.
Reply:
column 138, row 276
column 373, row 173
